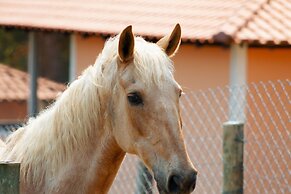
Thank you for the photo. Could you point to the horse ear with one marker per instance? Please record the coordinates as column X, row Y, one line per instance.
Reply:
column 126, row 44
column 171, row 42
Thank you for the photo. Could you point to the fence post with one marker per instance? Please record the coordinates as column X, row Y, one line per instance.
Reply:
column 9, row 177
column 233, row 142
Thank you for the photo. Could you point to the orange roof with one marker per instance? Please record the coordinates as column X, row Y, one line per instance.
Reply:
column 14, row 86
column 212, row 21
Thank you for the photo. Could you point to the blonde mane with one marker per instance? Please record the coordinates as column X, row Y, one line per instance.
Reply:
column 45, row 144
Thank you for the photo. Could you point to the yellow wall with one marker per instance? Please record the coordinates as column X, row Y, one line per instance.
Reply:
column 16, row 111
column 206, row 66
column 87, row 50
column 201, row 67
column 195, row 67
column 269, row 64
column 13, row 111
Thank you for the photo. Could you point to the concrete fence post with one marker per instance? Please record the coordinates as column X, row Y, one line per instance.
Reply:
column 233, row 146
column 9, row 177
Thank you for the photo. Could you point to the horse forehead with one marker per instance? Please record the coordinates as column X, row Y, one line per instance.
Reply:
column 166, row 88
column 152, row 81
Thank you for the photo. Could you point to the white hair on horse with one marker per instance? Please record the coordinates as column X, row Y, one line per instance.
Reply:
column 78, row 143
column 64, row 119
column 151, row 63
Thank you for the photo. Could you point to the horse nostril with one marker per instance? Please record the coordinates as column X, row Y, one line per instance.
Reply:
column 182, row 183
column 174, row 183
column 192, row 181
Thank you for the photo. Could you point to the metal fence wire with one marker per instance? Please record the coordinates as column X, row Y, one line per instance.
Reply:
column 263, row 107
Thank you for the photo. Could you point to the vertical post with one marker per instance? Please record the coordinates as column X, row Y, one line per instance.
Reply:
column 233, row 144
column 32, row 69
column 144, row 180
column 73, row 54
column 238, row 72
column 9, row 178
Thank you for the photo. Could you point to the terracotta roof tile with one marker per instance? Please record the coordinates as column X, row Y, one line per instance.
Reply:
column 269, row 24
column 205, row 21
column 14, row 86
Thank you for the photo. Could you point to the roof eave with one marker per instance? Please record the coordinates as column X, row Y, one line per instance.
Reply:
column 220, row 38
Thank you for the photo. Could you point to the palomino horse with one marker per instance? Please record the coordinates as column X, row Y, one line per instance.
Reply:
column 128, row 102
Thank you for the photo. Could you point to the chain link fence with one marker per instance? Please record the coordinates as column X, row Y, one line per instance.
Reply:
column 263, row 107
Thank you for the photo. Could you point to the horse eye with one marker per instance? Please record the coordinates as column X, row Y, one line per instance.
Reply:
column 180, row 93
column 134, row 99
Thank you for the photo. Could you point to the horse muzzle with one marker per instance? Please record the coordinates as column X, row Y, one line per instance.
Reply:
column 177, row 182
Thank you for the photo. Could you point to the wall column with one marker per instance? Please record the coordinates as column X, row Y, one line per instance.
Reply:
column 73, row 60
column 32, row 69
column 238, row 77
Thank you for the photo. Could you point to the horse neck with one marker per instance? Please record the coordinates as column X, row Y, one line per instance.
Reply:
column 85, row 107
column 107, row 160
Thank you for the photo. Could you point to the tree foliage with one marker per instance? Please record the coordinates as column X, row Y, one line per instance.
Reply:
column 13, row 48
column 52, row 52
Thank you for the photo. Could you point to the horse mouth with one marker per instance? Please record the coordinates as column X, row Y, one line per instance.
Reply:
column 173, row 186
column 165, row 192
column 162, row 191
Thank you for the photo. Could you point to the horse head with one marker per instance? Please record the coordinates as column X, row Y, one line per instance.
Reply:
column 145, row 108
